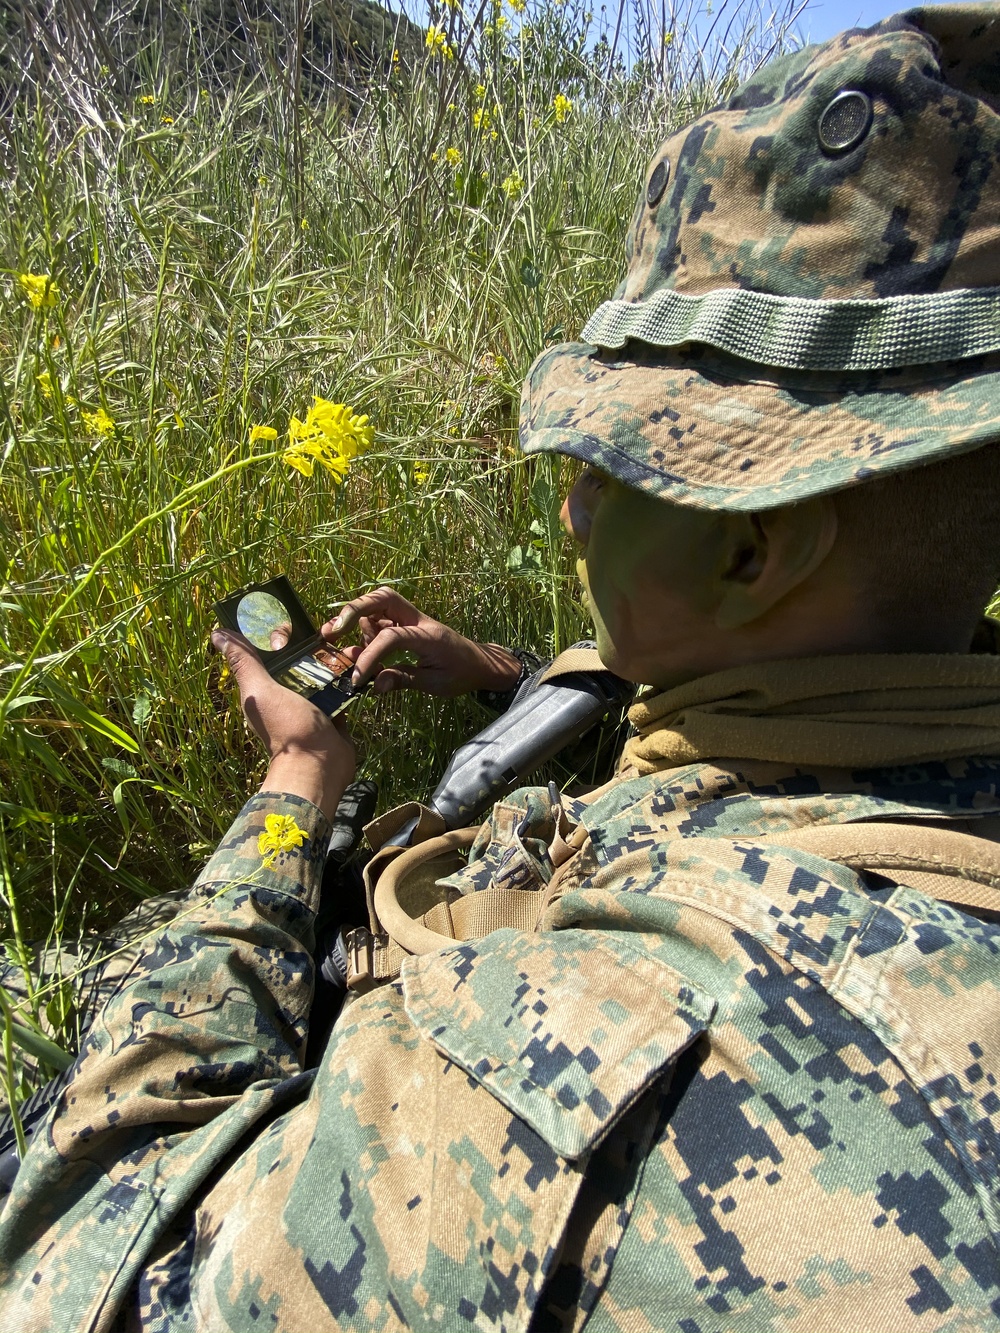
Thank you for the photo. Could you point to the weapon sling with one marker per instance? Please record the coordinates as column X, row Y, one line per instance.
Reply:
column 954, row 867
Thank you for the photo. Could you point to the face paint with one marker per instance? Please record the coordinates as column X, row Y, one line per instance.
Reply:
column 650, row 571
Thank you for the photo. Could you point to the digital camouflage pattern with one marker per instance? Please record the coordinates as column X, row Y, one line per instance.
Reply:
column 725, row 1086
column 796, row 320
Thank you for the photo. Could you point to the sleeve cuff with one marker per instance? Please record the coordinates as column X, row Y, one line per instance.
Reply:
column 277, row 842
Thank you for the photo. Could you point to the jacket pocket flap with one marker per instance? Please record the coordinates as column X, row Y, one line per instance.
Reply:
column 565, row 1028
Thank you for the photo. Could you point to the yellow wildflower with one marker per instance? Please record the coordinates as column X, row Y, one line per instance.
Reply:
column 668, row 40
column 435, row 157
column 331, row 435
column 513, row 185
column 98, row 423
column 148, row 99
column 44, row 382
column 482, row 118
column 262, row 433
column 166, row 120
column 304, row 224
column 204, row 92
column 453, row 157
column 518, row 6
column 480, row 91
column 436, row 42
column 40, row 289
column 281, row 834
column 421, row 471
column 395, row 60
column 562, row 107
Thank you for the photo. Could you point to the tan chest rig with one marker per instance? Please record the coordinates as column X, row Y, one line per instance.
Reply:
column 412, row 913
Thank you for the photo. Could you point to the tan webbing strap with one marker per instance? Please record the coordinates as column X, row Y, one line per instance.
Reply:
column 573, row 659
column 955, row 867
column 474, row 915
column 373, row 958
column 413, row 935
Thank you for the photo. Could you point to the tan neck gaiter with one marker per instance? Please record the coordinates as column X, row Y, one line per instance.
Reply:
column 844, row 712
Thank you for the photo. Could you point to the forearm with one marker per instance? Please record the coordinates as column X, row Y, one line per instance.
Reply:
column 312, row 777
column 220, row 1000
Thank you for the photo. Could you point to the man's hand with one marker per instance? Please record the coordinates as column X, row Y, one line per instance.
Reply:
column 311, row 755
column 446, row 662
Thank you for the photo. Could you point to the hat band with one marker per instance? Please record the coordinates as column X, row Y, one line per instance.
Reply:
column 799, row 333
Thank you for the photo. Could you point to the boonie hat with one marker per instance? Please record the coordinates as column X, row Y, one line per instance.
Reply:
column 813, row 290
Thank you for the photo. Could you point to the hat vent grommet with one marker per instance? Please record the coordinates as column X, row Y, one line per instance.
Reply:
column 845, row 121
column 657, row 183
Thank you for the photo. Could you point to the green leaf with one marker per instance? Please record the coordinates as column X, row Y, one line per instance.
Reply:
column 141, row 713
column 530, row 275
column 91, row 721
column 524, row 559
column 59, row 1009
column 40, row 1047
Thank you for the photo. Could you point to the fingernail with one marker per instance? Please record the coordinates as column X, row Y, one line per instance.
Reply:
column 335, row 624
column 355, row 677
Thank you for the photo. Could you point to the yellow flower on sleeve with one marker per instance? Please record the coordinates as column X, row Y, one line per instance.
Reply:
column 281, row 834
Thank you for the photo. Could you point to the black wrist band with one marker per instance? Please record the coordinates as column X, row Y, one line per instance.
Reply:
column 498, row 701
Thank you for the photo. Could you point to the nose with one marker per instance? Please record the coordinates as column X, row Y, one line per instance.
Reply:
column 574, row 515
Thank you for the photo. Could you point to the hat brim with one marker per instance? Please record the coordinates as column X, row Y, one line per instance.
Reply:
column 712, row 431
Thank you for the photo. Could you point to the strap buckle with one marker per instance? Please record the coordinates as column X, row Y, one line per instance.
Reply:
column 361, row 944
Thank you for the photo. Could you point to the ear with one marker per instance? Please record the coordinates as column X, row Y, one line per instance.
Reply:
column 773, row 552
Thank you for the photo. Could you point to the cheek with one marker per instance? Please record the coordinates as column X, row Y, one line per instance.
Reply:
column 616, row 572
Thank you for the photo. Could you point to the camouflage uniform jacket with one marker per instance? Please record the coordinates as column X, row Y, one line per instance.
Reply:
column 725, row 1086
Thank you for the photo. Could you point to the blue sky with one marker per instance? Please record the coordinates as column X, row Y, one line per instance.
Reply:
column 820, row 20
column 823, row 18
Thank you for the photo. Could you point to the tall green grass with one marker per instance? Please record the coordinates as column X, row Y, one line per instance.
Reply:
column 223, row 251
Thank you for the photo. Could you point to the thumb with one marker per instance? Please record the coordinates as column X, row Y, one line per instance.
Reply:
column 241, row 658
